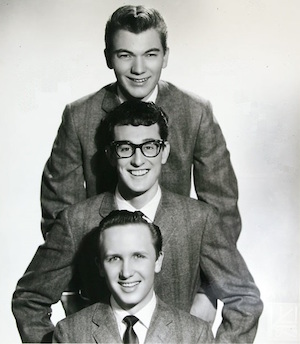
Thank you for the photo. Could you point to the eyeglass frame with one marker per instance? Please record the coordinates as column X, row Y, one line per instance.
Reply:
column 115, row 144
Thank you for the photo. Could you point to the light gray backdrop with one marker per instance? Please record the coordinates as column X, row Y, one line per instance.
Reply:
column 241, row 55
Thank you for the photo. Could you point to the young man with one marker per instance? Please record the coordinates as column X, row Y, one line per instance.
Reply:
column 129, row 255
column 137, row 51
column 195, row 245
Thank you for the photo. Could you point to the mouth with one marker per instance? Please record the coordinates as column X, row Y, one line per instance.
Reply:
column 129, row 284
column 139, row 81
column 138, row 173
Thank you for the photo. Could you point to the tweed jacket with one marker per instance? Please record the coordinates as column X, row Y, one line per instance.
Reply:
column 97, row 324
column 193, row 242
column 78, row 169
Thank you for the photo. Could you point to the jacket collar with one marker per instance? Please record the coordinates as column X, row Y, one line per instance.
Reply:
column 107, row 328
column 161, row 329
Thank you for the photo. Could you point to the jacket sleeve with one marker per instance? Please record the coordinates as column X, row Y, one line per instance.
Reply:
column 42, row 284
column 63, row 178
column 60, row 334
column 214, row 178
column 230, row 281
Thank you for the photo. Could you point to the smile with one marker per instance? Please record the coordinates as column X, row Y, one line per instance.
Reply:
column 139, row 81
column 138, row 173
column 129, row 284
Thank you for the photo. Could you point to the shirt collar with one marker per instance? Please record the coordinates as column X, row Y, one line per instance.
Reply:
column 150, row 98
column 149, row 210
column 144, row 315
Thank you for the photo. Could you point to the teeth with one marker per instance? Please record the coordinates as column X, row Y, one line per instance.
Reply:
column 139, row 81
column 128, row 285
column 139, row 172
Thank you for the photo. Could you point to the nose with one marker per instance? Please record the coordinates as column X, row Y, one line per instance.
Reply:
column 137, row 158
column 126, row 270
column 138, row 66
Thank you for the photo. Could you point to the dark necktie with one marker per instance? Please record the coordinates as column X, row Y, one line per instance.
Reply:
column 130, row 336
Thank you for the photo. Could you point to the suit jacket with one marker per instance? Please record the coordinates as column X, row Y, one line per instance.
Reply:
column 97, row 324
column 77, row 168
column 193, row 242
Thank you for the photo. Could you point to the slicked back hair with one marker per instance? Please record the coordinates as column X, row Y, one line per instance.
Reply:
column 135, row 19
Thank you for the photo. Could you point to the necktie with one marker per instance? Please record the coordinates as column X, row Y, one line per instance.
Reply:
column 130, row 336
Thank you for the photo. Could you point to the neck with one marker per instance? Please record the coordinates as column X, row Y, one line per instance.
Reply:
column 138, row 200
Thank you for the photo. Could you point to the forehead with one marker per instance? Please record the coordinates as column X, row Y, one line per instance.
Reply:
column 136, row 134
column 137, row 42
column 124, row 239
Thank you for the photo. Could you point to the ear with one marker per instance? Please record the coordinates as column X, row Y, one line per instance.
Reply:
column 158, row 263
column 165, row 153
column 108, row 59
column 100, row 267
column 110, row 156
column 166, row 58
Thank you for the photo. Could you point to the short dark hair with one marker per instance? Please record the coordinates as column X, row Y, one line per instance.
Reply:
column 135, row 19
column 125, row 217
column 135, row 112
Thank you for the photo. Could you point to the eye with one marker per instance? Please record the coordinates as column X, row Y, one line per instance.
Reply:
column 124, row 56
column 124, row 148
column 152, row 54
column 139, row 256
column 112, row 259
column 150, row 147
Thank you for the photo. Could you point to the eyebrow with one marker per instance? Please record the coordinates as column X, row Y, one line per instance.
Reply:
column 130, row 52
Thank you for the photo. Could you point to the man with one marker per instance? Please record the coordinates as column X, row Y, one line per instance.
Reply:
column 137, row 51
column 195, row 244
column 129, row 256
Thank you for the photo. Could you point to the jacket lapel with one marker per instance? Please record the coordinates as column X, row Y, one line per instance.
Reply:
column 162, row 327
column 164, row 213
column 110, row 99
column 107, row 205
column 107, row 328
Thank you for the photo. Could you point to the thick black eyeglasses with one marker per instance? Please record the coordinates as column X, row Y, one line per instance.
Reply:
column 126, row 149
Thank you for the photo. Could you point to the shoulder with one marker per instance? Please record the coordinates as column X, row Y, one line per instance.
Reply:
column 85, row 214
column 169, row 91
column 82, row 319
column 90, row 204
column 184, row 202
column 188, row 325
column 91, row 98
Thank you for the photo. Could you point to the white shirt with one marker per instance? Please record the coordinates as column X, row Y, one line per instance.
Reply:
column 151, row 98
column 149, row 210
column 144, row 315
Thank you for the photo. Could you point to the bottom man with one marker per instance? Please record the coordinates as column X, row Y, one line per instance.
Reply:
column 130, row 253
column 194, row 243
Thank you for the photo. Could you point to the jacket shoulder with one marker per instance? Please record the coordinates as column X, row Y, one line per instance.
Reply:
column 94, row 97
column 188, row 327
column 179, row 95
column 183, row 202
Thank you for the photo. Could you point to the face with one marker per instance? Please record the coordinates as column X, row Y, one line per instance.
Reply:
column 129, row 264
column 138, row 175
column 137, row 60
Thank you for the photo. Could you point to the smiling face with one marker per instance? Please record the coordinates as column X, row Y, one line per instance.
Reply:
column 129, row 264
column 137, row 60
column 138, row 175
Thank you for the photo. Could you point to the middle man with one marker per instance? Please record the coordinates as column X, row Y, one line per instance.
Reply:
column 194, row 243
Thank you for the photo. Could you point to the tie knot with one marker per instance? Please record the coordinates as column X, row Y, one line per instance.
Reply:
column 130, row 320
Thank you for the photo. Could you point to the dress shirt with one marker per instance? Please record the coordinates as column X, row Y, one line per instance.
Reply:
column 144, row 315
column 149, row 210
column 150, row 98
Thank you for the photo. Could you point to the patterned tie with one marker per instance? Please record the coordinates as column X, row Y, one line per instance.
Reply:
column 130, row 336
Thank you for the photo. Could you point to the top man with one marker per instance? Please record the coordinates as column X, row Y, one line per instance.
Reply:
column 136, row 49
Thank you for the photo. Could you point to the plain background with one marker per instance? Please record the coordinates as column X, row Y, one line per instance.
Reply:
column 241, row 55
